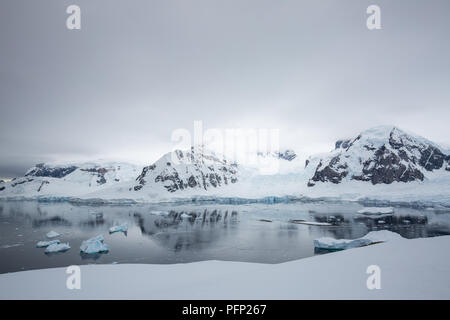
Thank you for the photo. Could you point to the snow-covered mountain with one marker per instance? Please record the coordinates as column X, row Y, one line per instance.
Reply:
column 382, row 163
column 195, row 169
column 69, row 179
column 287, row 154
column 380, row 155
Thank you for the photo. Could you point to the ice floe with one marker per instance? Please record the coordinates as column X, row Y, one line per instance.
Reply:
column 376, row 210
column 52, row 234
column 42, row 244
column 6, row 246
column 159, row 213
column 310, row 223
column 94, row 245
column 57, row 247
column 327, row 243
column 120, row 228
column 382, row 236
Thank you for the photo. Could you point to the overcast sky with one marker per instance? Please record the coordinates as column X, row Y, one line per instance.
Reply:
column 137, row 70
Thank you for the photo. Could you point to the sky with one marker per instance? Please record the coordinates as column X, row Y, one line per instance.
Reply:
column 140, row 69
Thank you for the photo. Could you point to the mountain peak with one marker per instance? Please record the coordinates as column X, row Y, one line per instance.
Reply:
column 382, row 154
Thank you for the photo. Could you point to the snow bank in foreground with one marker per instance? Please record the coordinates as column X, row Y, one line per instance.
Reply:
column 410, row 269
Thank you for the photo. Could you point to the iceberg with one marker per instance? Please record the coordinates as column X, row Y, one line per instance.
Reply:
column 94, row 245
column 57, row 247
column 120, row 228
column 330, row 244
column 42, row 244
column 159, row 213
column 52, row 234
column 310, row 223
column 377, row 210
column 382, row 236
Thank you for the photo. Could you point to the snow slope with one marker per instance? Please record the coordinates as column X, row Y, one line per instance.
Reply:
column 410, row 269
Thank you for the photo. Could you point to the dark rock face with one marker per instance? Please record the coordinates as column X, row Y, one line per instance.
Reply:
column 432, row 158
column 333, row 172
column 42, row 170
column 288, row 155
column 387, row 167
column 21, row 181
column 343, row 144
column 192, row 171
column 42, row 184
column 2, row 188
column 398, row 157
column 306, row 163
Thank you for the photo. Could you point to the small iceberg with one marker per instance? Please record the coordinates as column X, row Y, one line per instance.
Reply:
column 185, row 216
column 159, row 213
column 121, row 228
column 377, row 210
column 52, row 234
column 382, row 236
column 310, row 223
column 57, row 247
column 94, row 245
column 330, row 244
column 42, row 244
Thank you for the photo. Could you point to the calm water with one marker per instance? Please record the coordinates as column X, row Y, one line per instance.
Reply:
column 213, row 232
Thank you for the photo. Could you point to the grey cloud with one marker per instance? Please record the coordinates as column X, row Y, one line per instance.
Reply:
column 140, row 69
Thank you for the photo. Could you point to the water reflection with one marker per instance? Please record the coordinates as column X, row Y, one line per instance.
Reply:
column 185, row 233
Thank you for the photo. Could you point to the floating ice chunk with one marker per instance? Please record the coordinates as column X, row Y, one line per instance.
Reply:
column 121, row 228
column 6, row 246
column 57, row 247
column 52, row 234
column 94, row 245
column 159, row 213
column 185, row 216
column 376, row 210
column 42, row 244
column 382, row 236
column 340, row 244
column 331, row 244
column 311, row 223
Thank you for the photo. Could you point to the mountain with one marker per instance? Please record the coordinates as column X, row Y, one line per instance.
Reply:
column 70, row 179
column 287, row 154
column 195, row 169
column 382, row 163
column 380, row 155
